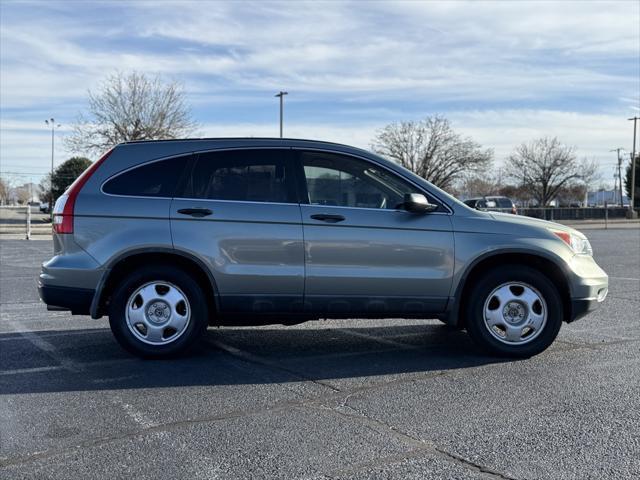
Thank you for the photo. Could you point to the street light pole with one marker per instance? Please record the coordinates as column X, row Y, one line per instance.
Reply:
column 281, row 94
column 618, row 150
column 52, row 123
column 633, row 170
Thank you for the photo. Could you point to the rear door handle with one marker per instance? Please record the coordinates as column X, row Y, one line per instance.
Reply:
column 195, row 212
column 326, row 217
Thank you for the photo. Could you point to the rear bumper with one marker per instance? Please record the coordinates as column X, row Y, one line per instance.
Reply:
column 77, row 300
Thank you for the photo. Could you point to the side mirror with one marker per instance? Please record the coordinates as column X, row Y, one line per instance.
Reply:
column 418, row 203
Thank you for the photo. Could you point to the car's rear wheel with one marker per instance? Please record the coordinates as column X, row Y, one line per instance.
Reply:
column 514, row 311
column 158, row 311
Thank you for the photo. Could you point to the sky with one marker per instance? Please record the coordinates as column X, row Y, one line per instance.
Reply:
column 503, row 72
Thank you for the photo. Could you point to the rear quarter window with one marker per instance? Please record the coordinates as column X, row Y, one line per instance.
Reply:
column 154, row 179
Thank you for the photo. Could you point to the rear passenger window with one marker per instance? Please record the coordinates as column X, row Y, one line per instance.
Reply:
column 155, row 179
column 252, row 175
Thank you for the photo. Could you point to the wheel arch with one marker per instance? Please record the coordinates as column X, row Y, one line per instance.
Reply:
column 551, row 268
column 118, row 268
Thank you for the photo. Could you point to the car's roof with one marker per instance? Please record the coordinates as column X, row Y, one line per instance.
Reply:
column 284, row 141
column 240, row 142
column 486, row 197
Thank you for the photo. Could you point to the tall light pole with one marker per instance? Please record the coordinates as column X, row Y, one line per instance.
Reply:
column 51, row 123
column 281, row 94
column 633, row 170
column 618, row 150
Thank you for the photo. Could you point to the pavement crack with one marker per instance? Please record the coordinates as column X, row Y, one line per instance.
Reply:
column 258, row 360
column 472, row 465
column 419, row 445
column 147, row 427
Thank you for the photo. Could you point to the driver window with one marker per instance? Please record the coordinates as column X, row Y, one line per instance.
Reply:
column 343, row 181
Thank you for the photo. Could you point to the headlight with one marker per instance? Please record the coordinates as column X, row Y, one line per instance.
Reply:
column 580, row 245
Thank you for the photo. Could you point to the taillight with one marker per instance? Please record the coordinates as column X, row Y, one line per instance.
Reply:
column 514, row 210
column 65, row 205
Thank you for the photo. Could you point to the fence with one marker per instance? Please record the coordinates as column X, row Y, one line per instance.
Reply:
column 555, row 214
column 24, row 220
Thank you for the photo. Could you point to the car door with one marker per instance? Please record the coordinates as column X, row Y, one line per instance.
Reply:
column 238, row 212
column 364, row 254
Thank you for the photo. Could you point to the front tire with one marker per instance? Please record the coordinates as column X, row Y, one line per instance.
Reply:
column 158, row 311
column 514, row 311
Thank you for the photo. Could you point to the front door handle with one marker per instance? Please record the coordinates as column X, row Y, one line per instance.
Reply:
column 326, row 217
column 195, row 212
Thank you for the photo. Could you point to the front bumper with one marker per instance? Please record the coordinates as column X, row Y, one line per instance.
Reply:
column 77, row 300
column 581, row 307
column 589, row 286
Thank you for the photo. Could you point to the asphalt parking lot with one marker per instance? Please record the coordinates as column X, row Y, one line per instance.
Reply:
column 326, row 400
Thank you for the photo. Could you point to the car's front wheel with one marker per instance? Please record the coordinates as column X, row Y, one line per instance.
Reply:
column 514, row 311
column 158, row 311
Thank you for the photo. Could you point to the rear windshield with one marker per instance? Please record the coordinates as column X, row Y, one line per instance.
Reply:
column 503, row 202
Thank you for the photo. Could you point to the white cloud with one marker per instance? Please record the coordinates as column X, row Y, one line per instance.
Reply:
column 450, row 49
column 504, row 71
column 593, row 135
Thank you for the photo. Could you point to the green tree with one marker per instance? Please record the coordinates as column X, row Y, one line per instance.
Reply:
column 66, row 173
column 627, row 183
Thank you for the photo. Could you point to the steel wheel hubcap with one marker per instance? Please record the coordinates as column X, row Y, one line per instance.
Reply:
column 515, row 313
column 158, row 313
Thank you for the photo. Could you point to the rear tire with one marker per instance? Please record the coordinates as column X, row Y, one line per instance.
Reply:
column 514, row 311
column 158, row 312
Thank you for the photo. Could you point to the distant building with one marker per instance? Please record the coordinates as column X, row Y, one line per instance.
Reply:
column 611, row 197
column 28, row 192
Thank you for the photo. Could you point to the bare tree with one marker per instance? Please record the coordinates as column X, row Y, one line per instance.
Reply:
column 131, row 107
column 4, row 191
column 589, row 175
column 545, row 166
column 23, row 194
column 433, row 150
column 478, row 185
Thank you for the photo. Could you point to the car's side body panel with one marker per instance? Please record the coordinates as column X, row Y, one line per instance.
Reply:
column 254, row 251
column 377, row 261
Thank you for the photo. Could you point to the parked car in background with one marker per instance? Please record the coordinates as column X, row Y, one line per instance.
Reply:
column 168, row 237
column 493, row 204
column 44, row 207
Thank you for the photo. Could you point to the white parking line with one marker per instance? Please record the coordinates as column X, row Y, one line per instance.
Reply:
column 80, row 366
column 20, row 371
column 43, row 334
column 48, row 348
column 626, row 278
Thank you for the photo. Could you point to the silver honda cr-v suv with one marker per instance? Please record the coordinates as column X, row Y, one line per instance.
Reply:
column 168, row 237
